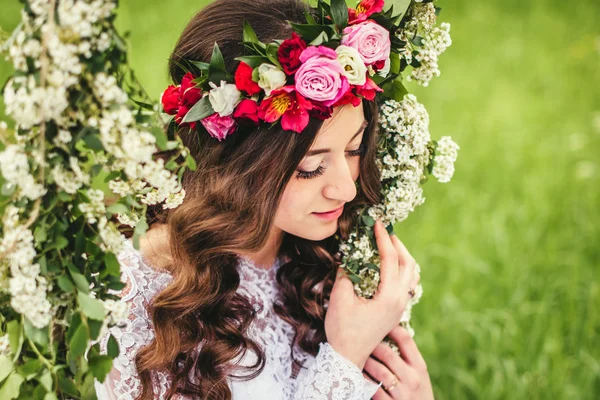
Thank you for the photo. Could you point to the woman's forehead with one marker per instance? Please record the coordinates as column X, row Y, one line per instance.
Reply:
column 342, row 126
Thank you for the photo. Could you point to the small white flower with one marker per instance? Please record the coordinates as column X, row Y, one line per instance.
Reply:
column 224, row 98
column 354, row 67
column 270, row 78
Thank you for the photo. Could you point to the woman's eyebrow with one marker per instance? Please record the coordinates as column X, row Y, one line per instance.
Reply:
column 321, row 151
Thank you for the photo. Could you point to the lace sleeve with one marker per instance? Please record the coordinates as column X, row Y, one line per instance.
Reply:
column 333, row 377
column 142, row 283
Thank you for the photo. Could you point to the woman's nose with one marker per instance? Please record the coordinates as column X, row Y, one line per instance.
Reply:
column 341, row 185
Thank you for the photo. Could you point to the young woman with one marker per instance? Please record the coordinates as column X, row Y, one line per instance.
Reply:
column 236, row 294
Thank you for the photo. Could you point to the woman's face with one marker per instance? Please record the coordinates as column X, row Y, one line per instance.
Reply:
column 325, row 179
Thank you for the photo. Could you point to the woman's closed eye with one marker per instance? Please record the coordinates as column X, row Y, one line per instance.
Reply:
column 320, row 169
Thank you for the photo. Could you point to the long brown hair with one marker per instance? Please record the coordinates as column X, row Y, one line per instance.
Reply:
column 199, row 319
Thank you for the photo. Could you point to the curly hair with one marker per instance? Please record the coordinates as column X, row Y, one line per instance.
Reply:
column 199, row 319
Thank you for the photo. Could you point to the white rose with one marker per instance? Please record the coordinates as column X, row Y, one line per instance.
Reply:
column 224, row 98
column 270, row 78
column 354, row 67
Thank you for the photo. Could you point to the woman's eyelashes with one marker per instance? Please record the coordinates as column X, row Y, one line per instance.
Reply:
column 320, row 169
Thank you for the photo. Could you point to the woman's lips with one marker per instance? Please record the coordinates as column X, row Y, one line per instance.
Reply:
column 331, row 214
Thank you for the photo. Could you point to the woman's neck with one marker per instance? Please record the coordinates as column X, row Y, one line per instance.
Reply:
column 265, row 258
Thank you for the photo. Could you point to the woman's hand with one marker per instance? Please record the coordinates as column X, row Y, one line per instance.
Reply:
column 409, row 371
column 354, row 325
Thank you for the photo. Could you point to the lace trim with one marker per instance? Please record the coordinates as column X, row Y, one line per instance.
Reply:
column 334, row 377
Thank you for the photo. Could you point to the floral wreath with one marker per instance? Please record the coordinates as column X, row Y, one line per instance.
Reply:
column 340, row 56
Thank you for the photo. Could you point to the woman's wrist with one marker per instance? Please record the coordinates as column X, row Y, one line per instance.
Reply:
column 349, row 355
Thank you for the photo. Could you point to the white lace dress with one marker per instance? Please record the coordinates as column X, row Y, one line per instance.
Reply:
column 327, row 376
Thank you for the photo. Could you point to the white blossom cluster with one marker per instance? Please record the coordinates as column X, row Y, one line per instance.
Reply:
column 26, row 286
column 95, row 208
column 15, row 170
column 435, row 40
column 404, row 157
column 50, row 51
column 445, row 157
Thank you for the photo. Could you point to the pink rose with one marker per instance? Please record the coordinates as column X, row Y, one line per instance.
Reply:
column 370, row 39
column 320, row 77
column 219, row 127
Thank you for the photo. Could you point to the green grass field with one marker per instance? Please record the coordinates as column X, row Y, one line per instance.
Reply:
column 510, row 246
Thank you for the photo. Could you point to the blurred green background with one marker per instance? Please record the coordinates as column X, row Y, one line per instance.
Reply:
column 510, row 248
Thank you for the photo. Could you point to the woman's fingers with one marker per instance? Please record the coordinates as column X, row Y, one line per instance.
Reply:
column 384, row 353
column 389, row 256
column 343, row 289
column 405, row 259
column 382, row 373
column 408, row 348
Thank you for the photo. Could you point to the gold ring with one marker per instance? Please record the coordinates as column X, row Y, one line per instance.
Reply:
column 392, row 385
column 411, row 292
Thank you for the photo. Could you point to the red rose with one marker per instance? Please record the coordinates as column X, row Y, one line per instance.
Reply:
column 243, row 79
column 289, row 53
column 190, row 95
column 247, row 110
column 170, row 100
column 320, row 111
column 379, row 65
column 348, row 98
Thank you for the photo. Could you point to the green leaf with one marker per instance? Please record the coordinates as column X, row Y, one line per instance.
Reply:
column 8, row 189
column 93, row 142
column 354, row 278
column 394, row 63
column 368, row 220
column 117, row 208
column 67, row 386
column 78, row 342
column 15, row 338
column 372, row 266
column 322, row 38
column 80, row 281
column 217, row 71
column 311, row 32
column 253, row 61
column 249, row 34
column 190, row 162
column 100, row 366
column 272, row 54
column 6, row 366
column 29, row 369
column 112, row 347
column 95, row 327
column 401, row 6
column 140, row 228
column 161, row 137
column 61, row 242
column 92, row 308
column 395, row 90
column 202, row 66
column 417, row 41
column 11, row 387
column 39, row 336
column 339, row 12
column 112, row 264
column 46, row 381
column 200, row 110
column 65, row 283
